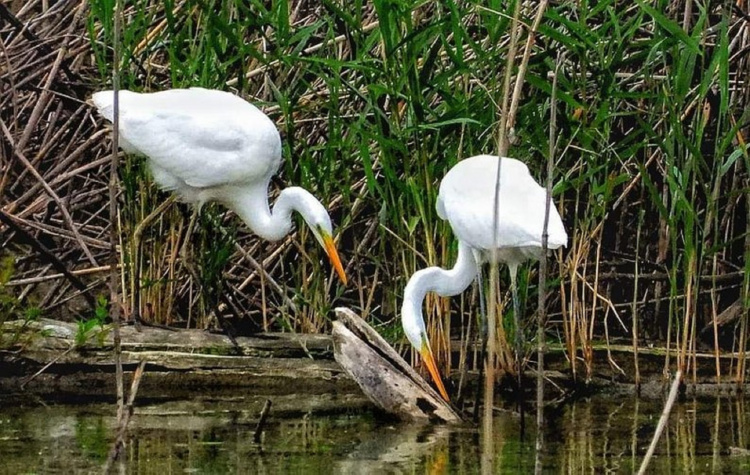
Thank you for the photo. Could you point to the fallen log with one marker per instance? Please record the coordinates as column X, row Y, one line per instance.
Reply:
column 385, row 378
column 180, row 362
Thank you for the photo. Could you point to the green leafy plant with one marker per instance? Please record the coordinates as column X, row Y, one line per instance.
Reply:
column 95, row 327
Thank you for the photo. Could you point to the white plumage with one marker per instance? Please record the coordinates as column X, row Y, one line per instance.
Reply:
column 209, row 145
column 197, row 140
column 466, row 200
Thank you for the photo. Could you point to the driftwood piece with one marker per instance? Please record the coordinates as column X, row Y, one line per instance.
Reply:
column 728, row 315
column 385, row 378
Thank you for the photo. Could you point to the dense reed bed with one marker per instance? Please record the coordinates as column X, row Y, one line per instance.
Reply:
column 375, row 101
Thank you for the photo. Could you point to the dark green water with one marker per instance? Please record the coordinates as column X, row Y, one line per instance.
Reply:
column 215, row 435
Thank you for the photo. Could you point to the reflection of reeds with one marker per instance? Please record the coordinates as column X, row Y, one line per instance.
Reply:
column 374, row 105
column 596, row 436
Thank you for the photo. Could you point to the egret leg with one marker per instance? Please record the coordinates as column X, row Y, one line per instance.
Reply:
column 483, row 342
column 188, row 263
column 516, row 313
column 183, row 249
column 513, row 268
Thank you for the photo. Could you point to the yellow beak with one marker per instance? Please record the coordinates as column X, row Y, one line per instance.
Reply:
column 333, row 255
column 429, row 361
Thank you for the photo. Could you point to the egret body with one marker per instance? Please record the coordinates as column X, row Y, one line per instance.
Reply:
column 466, row 200
column 209, row 145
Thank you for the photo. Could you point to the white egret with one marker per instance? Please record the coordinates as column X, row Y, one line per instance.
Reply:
column 466, row 200
column 210, row 145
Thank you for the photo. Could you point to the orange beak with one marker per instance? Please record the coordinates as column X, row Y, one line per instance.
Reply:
column 333, row 255
column 429, row 361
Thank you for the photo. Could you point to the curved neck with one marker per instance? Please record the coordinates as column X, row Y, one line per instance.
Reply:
column 252, row 207
column 441, row 281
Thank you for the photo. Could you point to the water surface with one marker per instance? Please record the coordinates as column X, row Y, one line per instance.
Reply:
column 215, row 435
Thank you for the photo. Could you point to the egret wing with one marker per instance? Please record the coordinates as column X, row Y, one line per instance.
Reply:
column 202, row 137
column 467, row 202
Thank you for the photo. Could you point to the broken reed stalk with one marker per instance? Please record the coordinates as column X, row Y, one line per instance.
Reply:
column 487, row 463
column 742, row 357
column 542, row 298
column 494, row 267
column 262, row 421
column 265, row 276
column 502, row 136
column 123, row 422
column 44, row 368
column 662, row 421
column 509, row 107
column 635, row 304
column 715, row 321
column 114, row 294
column 524, row 63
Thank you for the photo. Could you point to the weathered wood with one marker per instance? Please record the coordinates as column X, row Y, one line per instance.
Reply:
column 385, row 378
column 61, row 335
column 178, row 362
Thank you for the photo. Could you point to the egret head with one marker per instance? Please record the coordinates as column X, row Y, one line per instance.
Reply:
column 319, row 222
column 413, row 323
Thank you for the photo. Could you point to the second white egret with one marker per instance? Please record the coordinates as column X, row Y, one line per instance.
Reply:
column 467, row 200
